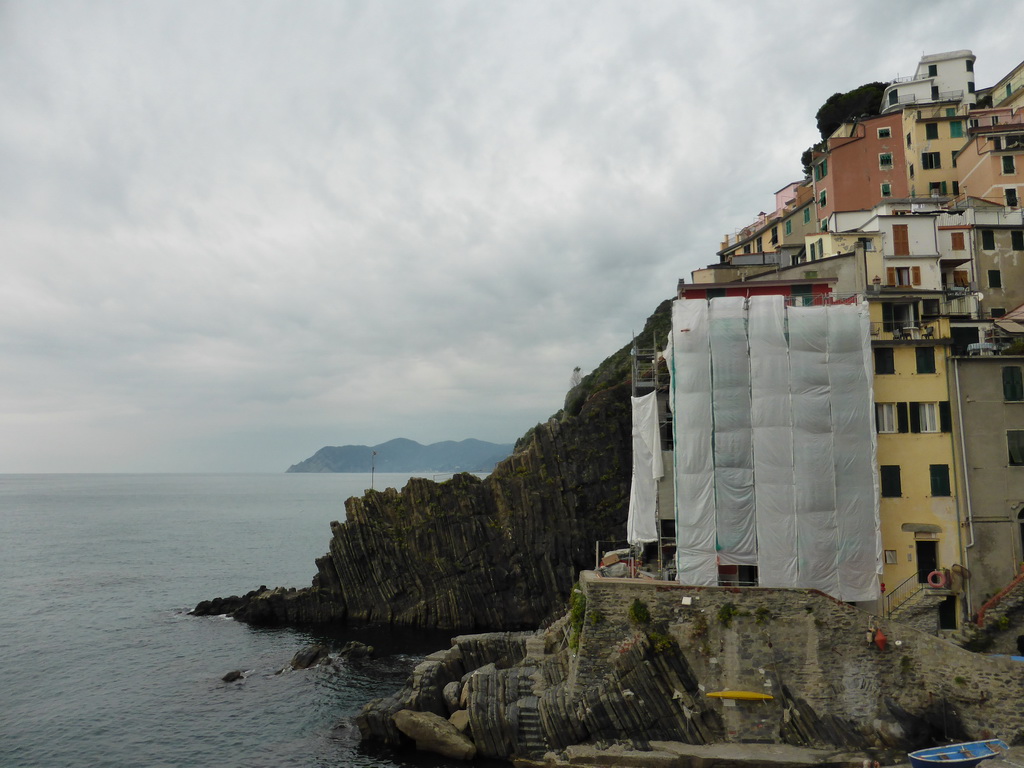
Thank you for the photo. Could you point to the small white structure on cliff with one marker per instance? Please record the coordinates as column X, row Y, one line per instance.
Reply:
column 774, row 444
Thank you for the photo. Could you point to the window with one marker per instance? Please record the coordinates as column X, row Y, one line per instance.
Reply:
column 1017, row 239
column 925, row 359
column 995, row 278
column 931, row 130
column 956, row 185
column 970, row 86
column 997, row 311
column 988, row 240
column 1011, row 197
column 903, row 276
column 1009, row 166
column 812, row 251
column 885, row 417
column 807, row 215
column 910, row 168
column 886, row 189
column 910, row 139
column 789, row 226
column 939, row 476
column 822, row 227
column 821, row 170
column 884, row 133
column 1013, row 383
column 970, row 65
column 885, row 161
column 885, row 362
column 900, row 240
column 822, row 199
column 1015, row 446
column 924, row 417
column 894, row 97
column 956, row 129
column 937, row 188
column 933, row 70
column 890, row 477
column 930, row 161
column 957, row 241
column 935, row 93
column 890, row 557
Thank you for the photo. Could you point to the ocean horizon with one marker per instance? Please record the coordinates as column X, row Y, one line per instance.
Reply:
column 103, row 666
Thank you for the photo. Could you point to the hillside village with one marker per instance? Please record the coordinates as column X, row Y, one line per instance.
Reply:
column 912, row 215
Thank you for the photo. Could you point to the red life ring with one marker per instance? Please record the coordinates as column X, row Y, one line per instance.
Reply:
column 937, row 579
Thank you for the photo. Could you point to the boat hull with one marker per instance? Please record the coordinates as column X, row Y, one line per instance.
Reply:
column 964, row 755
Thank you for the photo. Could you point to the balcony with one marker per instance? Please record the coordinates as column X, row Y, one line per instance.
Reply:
column 960, row 305
column 900, row 330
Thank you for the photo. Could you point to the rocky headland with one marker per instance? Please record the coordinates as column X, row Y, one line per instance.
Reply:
column 471, row 554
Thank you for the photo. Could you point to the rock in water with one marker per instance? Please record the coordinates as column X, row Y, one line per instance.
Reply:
column 432, row 733
column 231, row 676
column 353, row 649
column 310, row 656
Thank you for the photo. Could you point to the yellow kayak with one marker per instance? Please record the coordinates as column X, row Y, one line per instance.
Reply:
column 740, row 695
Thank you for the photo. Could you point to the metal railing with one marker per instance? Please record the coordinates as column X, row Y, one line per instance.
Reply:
column 899, row 596
column 901, row 330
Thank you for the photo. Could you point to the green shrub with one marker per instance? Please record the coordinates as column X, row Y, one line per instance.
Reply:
column 726, row 614
column 639, row 613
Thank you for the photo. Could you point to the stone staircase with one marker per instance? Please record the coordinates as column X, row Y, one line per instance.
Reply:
column 921, row 610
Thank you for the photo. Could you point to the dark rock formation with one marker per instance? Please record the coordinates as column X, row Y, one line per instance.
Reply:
column 468, row 553
column 231, row 676
column 310, row 656
column 353, row 649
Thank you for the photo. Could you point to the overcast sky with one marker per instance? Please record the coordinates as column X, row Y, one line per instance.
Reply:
column 235, row 232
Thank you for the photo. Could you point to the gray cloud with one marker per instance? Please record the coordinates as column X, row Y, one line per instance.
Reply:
column 235, row 232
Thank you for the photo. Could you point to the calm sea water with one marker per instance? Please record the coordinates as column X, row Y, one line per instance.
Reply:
column 101, row 666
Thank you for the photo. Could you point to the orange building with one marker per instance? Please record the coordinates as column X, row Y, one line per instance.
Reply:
column 862, row 165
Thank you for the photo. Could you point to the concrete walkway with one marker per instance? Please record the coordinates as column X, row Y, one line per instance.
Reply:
column 667, row 754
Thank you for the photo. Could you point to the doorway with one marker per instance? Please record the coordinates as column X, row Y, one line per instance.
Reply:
column 927, row 559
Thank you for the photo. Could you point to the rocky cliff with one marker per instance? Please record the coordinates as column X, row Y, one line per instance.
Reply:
column 671, row 675
column 498, row 553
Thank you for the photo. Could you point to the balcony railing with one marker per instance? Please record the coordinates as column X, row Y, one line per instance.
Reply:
column 965, row 305
column 903, row 330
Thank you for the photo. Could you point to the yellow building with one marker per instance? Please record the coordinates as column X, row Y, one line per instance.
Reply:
column 934, row 133
column 920, row 522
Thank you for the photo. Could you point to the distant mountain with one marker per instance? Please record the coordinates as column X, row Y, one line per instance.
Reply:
column 402, row 455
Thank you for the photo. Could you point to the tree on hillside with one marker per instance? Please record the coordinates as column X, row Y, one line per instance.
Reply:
column 842, row 107
column 839, row 108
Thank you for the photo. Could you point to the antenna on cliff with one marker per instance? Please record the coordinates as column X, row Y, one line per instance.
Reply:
column 373, row 463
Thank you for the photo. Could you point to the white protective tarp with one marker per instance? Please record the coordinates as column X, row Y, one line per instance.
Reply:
column 733, row 452
column 775, row 445
column 690, row 364
column 813, row 456
column 859, row 554
column 642, row 524
column 772, row 419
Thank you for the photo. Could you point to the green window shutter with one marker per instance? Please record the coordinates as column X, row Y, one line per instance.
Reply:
column 890, row 480
column 956, row 130
column 902, row 419
column 915, row 418
column 1013, row 383
column 945, row 417
column 925, row 359
column 939, row 476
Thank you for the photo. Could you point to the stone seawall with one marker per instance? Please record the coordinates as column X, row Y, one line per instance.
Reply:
column 635, row 668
